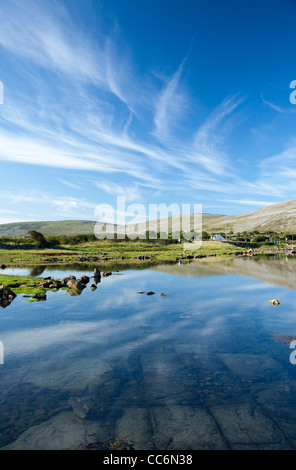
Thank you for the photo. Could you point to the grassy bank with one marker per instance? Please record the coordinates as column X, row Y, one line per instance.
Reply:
column 22, row 284
column 108, row 250
column 106, row 256
column 35, row 288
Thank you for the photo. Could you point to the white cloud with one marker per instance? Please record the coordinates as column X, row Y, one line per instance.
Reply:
column 272, row 105
column 170, row 106
column 210, row 136
column 7, row 211
column 250, row 202
column 97, row 115
column 90, row 133
column 278, row 174
column 130, row 193
column 69, row 184
column 47, row 37
column 10, row 220
column 50, row 202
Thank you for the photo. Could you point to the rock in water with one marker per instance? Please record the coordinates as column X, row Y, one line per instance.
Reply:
column 84, row 279
column 274, row 302
column 39, row 296
column 6, row 296
column 75, row 284
column 106, row 274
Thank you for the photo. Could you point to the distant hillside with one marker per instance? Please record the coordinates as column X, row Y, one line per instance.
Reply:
column 61, row 227
column 69, row 227
column 173, row 223
column 279, row 217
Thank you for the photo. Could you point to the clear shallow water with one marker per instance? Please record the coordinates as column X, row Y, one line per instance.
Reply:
column 200, row 369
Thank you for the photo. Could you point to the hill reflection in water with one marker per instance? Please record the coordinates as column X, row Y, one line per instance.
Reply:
column 277, row 270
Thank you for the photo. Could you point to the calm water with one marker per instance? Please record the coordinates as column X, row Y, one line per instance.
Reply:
column 203, row 368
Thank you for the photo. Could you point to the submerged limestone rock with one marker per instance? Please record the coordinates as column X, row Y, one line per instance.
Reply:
column 61, row 432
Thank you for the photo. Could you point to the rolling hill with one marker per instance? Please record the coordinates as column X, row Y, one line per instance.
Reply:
column 280, row 217
column 61, row 227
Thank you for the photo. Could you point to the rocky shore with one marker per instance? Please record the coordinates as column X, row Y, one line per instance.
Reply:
column 71, row 284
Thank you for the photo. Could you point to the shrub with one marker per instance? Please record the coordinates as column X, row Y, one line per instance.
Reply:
column 38, row 238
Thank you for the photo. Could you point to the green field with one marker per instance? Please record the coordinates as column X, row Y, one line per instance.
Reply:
column 108, row 250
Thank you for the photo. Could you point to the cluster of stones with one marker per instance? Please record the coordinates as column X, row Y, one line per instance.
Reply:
column 74, row 287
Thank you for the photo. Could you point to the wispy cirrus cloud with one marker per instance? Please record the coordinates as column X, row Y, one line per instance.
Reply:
column 47, row 37
column 207, row 143
column 250, row 202
column 51, row 202
column 77, row 102
column 69, row 184
column 278, row 172
column 73, row 126
column 171, row 104
column 130, row 193
column 213, row 130
column 272, row 105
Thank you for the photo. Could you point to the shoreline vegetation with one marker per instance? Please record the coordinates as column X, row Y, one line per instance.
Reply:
column 105, row 256
column 76, row 247
column 126, row 252
column 86, row 249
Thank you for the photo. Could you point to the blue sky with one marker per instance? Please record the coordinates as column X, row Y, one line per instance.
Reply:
column 160, row 101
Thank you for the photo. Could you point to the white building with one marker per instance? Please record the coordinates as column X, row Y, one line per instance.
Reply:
column 218, row 238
